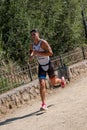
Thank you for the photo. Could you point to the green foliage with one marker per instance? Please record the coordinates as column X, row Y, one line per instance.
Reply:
column 14, row 30
column 59, row 22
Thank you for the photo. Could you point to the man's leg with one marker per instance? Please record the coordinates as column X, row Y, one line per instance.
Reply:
column 42, row 78
column 42, row 93
column 55, row 81
column 42, row 90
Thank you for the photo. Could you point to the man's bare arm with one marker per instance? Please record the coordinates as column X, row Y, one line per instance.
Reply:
column 47, row 48
column 31, row 50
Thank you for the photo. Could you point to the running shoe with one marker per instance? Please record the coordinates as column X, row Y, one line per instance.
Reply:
column 43, row 107
column 63, row 82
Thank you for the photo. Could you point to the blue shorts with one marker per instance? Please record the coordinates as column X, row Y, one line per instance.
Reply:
column 42, row 73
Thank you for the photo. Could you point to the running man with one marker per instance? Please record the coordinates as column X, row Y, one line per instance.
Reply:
column 42, row 50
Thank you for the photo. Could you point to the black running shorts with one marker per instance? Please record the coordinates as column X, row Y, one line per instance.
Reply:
column 42, row 73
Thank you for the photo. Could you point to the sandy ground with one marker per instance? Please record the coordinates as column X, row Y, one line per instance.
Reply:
column 67, row 111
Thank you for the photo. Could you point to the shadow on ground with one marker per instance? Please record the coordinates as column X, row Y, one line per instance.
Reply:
column 36, row 113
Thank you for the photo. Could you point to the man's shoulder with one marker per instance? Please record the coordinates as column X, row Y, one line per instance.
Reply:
column 43, row 41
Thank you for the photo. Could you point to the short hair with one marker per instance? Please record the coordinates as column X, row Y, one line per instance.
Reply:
column 34, row 30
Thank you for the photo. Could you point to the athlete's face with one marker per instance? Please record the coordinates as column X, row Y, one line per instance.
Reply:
column 34, row 35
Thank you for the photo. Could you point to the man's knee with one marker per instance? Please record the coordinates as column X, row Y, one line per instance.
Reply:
column 42, row 83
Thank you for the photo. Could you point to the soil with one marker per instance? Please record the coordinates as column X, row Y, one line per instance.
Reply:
column 67, row 110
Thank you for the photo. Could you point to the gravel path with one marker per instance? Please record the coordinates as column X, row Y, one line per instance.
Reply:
column 67, row 111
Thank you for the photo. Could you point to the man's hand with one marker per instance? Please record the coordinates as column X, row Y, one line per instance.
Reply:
column 32, row 53
column 31, row 56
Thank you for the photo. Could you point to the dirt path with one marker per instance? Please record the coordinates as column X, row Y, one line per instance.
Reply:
column 67, row 111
